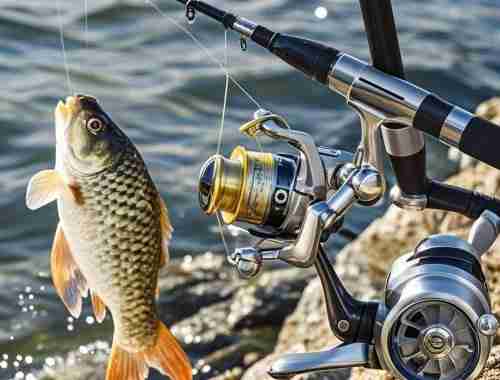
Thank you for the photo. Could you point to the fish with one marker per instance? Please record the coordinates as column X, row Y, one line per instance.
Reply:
column 112, row 237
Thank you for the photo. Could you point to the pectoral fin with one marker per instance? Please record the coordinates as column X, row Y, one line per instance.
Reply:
column 166, row 231
column 99, row 307
column 45, row 187
column 68, row 280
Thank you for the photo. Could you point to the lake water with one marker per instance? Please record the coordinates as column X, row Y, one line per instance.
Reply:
column 167, row 95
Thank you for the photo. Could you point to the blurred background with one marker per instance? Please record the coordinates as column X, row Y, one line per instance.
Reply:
column 167, row 96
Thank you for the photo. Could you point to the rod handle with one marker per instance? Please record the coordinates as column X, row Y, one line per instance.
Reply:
column 481, row 140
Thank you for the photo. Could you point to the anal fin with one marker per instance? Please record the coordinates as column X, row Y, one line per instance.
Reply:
column 168, row 357
column 68, row 280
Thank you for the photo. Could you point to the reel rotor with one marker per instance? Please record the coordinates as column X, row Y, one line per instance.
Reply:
column 434, row 340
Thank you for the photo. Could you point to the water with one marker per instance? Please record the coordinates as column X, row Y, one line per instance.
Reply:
column 167, row 96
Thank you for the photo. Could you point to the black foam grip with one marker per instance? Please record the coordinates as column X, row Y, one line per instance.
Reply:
column 469, row 203
column 312, row 58
column 481, row 140
column 263, row 36
column 431, row 115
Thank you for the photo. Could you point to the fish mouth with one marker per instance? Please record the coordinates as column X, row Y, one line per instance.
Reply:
column 65, row 110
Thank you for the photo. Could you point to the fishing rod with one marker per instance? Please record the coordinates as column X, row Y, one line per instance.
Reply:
column 435, row 318
column 383, row 96
column 381, row 99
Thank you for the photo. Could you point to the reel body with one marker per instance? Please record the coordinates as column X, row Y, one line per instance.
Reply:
column 434, row 322
column 268, row 192
column 431, row 324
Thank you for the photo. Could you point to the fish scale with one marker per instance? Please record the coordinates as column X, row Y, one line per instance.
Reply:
column 123, row 201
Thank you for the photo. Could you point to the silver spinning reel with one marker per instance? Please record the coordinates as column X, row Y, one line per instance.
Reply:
column 435, row 320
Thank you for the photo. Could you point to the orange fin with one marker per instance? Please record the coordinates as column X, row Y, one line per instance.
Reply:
column 68, row 280
column 99, row 307
column 168, row 357
column 166, row 231
column 124, row 365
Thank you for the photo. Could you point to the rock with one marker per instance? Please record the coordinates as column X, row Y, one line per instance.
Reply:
column 193, row 283
column 269, row 299
column 226, row 322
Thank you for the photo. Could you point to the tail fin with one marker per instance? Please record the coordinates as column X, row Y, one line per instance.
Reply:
column 124, row 365
column 168, row 357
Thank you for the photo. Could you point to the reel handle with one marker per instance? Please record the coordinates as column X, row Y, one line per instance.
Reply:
column 342, row 356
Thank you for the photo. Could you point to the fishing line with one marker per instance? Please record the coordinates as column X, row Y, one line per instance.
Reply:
column 61, row 37
column 86, row 23
column 221, row 231
column 226, row 94
column 221, row 132
column 205, row 49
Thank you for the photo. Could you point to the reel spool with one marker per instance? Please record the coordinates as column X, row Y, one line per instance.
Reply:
column 436, row 301
column 251, row 187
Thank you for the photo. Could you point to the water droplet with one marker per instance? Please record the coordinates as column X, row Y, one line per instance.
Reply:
column 321, row 12
column 42, row 288
column 11, row 337
column 31, row 307
column 70, row 319
column 21, row 296
column 24, row 309
column 90, row 320
column 28, row 359
column 71, row 327
column 30, row 376
column 5, row 356
column 27, row 289
column 20, row 375
column 4, row 364
column 31, row 297
column 15, row 364
column 205, row 369
column 50, row 362
column 19, row 357
column 84, row 350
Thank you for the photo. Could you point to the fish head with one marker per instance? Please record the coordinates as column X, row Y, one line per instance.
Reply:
column 87, row 140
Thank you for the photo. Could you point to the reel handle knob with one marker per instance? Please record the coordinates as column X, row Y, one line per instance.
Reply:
column 248, row 261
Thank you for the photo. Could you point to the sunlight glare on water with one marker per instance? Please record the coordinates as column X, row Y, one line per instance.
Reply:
column 321, row 12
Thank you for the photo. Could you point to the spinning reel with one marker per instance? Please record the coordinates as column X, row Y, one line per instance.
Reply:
column 434, row 321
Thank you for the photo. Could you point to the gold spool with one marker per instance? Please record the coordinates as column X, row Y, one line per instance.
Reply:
column 242, row 186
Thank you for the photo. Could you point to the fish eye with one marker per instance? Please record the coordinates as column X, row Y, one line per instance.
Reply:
column 95, row 125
